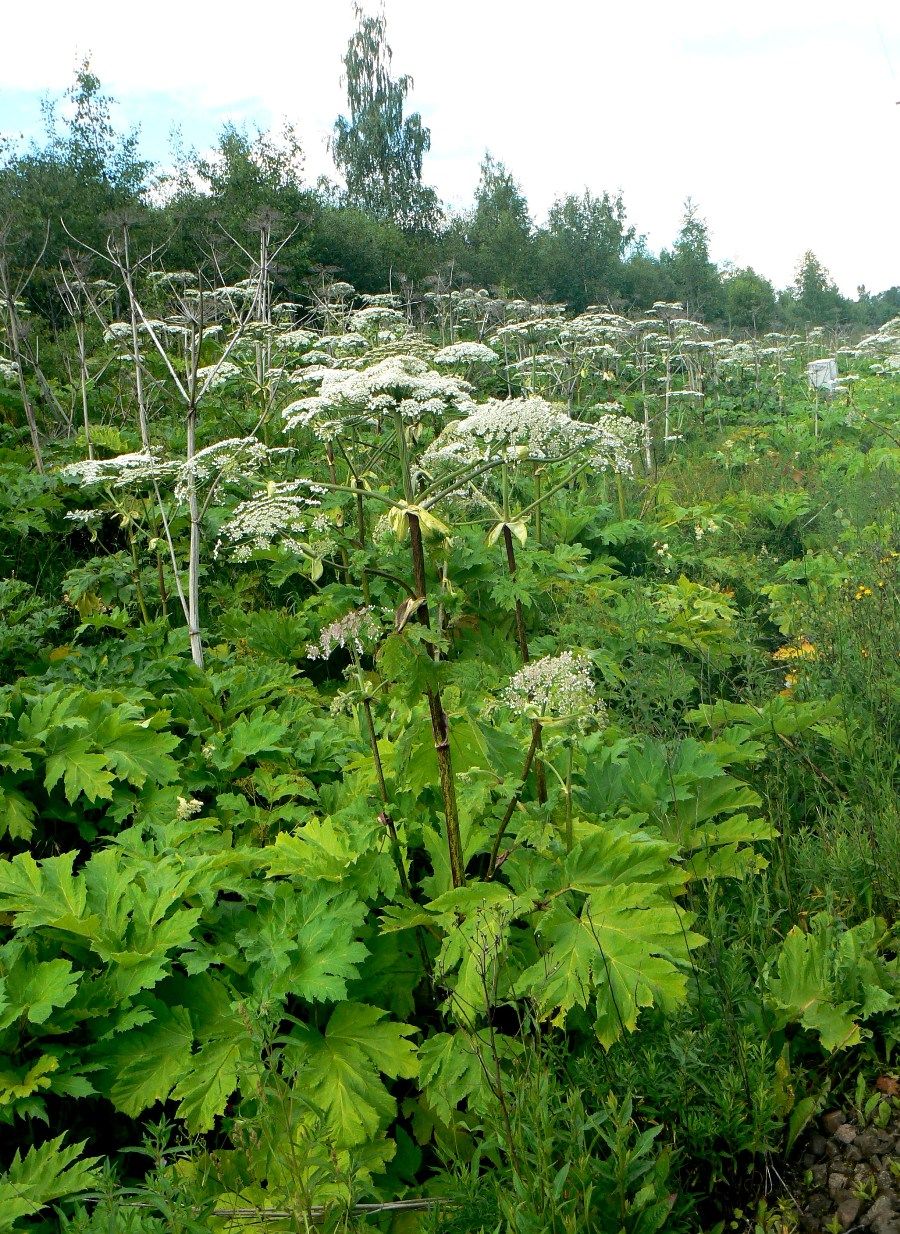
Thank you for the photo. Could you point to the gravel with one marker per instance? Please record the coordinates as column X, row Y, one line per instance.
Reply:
column 849, row 1177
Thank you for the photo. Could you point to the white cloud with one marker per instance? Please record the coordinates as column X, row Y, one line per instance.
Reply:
column 779, row 119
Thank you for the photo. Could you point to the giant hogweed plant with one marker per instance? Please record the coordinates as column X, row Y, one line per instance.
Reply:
column 168, row 352
column 273, row 911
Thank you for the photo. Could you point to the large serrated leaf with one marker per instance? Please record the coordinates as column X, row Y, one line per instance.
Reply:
column 145, row 1063
column 339, row 1069
column 212, row 1076
column 625, row 948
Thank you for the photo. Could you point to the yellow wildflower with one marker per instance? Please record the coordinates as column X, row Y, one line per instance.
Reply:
column 802, row 650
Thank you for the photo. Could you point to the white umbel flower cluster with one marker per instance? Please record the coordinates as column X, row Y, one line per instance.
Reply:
column 397, row 382
column 509, row 430
column 295, row 340
column 117, row 330
column 556, row 690
column 463, row 354
column 212, row 376
column 339, row 291
column 235, row 456
column 282, row 514
column 349, row 344
column 172, row 278
column 377, row 318
column 119, row 472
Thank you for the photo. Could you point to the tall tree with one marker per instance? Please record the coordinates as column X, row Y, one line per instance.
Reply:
column 644, row 278
column 749, row 300
column 582, row 248
column 498, row 231
column 249, row 186
column 82, row 172
column 815, row 294
column 378, row 149
column 694, row 275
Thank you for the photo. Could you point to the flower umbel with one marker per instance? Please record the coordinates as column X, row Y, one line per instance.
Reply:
column 508, row 430
column 349, row 631
column 556, row 690
column 284, row 513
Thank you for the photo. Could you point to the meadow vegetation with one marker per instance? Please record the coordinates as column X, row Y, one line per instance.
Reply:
column 448, row 736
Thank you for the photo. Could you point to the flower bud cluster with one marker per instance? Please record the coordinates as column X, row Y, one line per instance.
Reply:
column 352, row 630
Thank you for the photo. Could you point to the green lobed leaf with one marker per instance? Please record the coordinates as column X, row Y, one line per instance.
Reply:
column 340, row 1069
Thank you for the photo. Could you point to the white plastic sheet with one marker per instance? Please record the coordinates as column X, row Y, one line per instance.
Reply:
column 823, row 375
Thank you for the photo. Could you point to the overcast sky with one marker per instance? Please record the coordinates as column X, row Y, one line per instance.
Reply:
column 779, row 117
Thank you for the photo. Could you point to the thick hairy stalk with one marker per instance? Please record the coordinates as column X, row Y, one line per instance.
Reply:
column 385, row 816
column 440, row 727
column 514, row 800
column 143, row 423
column 539, row 774
column 83, row 374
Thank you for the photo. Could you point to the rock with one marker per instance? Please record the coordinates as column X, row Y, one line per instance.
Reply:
column 853, row 1154
column 820, row 1175
column 867, row 1143
column 884, row 1182
column 880, row 1209
column 837, row 1185
column 886, row 1225
column 832, row 1150
column 846, row 1133
column 832, row 1120
column 817, row 1145
column 819, row 1205
column 848, row 1211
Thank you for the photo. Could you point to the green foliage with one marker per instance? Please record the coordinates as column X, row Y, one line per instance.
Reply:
column 685, row 792
column 63, row 747
column 41, row 1176
column 749, row 300
column 341, row 1068
column 573, row 1164
column 830, row 980
column 343, row 915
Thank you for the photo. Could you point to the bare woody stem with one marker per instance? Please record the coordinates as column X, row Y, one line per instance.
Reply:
column 361, row 530
column 440, row 727
column 569, row 837
column 14, row 337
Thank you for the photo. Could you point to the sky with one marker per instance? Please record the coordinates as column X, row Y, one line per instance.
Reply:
column 779, row 118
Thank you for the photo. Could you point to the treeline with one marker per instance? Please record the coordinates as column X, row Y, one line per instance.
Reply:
column 61, row 198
